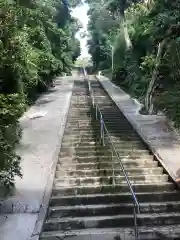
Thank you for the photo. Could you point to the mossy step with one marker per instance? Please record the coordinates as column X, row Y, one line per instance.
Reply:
column 139, row 187
column 82, row 181
column 119, row 197
column 111, row 209
column 123, row 233
column 54, row 224
column 69, row 164
column 109, row 171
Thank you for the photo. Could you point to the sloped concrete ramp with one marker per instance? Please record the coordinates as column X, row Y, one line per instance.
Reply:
column 157, row 131
column 21, row 214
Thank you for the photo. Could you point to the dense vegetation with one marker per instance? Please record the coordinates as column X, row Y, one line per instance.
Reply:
column 37, row 43
column 146, row 42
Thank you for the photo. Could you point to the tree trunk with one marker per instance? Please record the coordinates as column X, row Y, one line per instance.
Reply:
column 126, row 34
column 122, row 8
column 149, row 3
column 148, row 98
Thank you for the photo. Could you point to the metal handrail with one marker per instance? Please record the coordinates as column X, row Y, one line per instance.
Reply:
column 103, row 127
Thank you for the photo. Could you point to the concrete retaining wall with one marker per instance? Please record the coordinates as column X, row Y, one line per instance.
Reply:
column 156, row 131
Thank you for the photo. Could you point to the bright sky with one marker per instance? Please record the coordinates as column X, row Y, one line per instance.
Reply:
column 81, row 14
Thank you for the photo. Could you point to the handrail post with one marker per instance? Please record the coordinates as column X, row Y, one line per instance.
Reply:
column 103, row 135
column 135, row 223
column 102, row 129
column 96, row 111
column 101, row 126
column 93, row 101
column 112, row 155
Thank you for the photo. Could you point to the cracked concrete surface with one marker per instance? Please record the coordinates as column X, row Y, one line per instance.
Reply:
column 43, row 127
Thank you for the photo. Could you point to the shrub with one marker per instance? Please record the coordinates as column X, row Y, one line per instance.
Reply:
column 11, row 108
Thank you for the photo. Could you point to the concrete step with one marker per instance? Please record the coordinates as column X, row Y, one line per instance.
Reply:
column 138, row 187
column 80, row 114
column 108, row 104
column 114, row 121
column 77, row 111
column 136, row 144
column 120, row 129
column 100, row 99
column 118, row 118
column 79, row 124
column 135, row 147
column 84, row 132
column 78, row 94
column 118, row 135
column 80, row 105
column 114, row 132
column 85, row 145
column 80, row 165
column 54, row 224
column 81, row 99
column 113, row 125
column 118, row 144
column 76, row 137
column 79, row 118
column 80, row 121
column 116, row 198
column 145, row 233
column 113, row 112
column 104, row 150
column 88, row 135
column 109, row 171
column 88, row 181
column 87, row 128
column 119, row 140
column 89, row 146
column 111, row 209
column 115, row 136
column 95, row 155
column 69, row 141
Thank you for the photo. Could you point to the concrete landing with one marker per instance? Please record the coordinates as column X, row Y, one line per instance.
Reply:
column 22, row 214
column 156, row 131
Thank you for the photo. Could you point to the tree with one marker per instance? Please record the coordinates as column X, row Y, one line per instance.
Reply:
column 102, row 28
column 149, row 68
column 37, row 43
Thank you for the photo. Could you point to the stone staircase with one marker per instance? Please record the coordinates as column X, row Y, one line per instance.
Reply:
column 90, row 197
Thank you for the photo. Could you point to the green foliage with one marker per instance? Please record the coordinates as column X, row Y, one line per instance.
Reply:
column 148, row 23
column 167, row 91
column 37, row 43
column 11, row 108
column 107, row 29
column 102, row 27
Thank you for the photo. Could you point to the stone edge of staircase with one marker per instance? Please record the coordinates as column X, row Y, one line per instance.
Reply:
column 48, row 189
column 167, row 159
